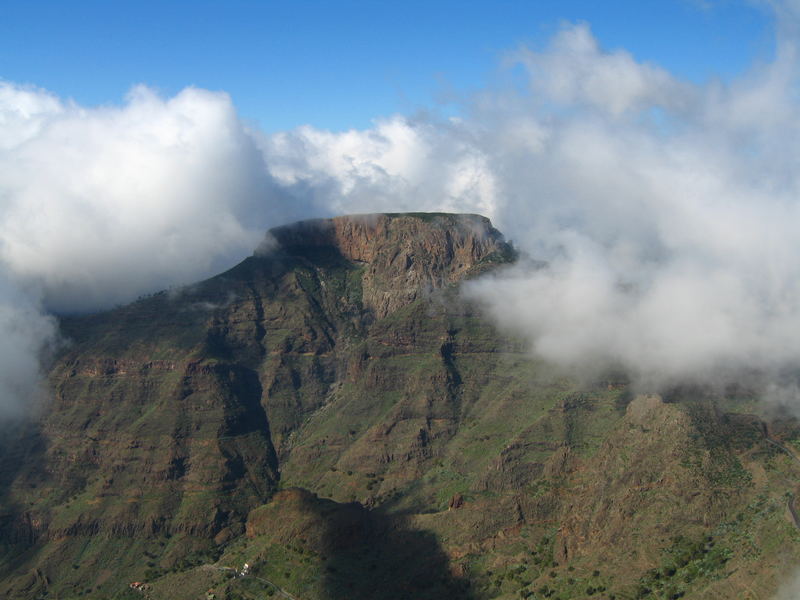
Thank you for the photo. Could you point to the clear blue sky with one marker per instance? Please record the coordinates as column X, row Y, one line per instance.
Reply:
column 339, row 64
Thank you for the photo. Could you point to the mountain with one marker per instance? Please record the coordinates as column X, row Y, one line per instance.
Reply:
column 333, row 412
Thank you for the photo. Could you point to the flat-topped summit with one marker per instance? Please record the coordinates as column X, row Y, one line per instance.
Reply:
column 356, row 236
column 405, row 253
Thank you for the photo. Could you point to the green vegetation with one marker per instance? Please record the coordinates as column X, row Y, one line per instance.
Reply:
column 350, row 435
column 684, row 563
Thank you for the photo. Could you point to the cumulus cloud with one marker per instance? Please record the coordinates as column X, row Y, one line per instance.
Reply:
column 667, row 212
column 99, row 205
column 401, row 164
column 576, row 71
column 669, row 220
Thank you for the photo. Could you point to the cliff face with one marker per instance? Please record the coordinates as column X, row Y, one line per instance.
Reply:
column 405, row 255
column 341, row 363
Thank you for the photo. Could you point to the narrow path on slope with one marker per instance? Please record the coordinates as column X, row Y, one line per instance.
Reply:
column 791, row 502
column 279, row 589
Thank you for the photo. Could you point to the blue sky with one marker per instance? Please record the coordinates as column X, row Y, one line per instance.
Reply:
column 338, row 65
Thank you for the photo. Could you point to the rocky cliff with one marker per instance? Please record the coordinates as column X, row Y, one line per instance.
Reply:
column 405, row 256
column 332, row 407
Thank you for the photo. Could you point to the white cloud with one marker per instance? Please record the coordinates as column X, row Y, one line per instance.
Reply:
column 399, row 165
column 99, row 205
column 574, row 70
column 667, row 211
column 26, row 333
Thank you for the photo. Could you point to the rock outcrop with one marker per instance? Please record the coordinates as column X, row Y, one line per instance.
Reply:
column 405, row 255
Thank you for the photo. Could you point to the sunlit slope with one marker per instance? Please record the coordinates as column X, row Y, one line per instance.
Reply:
column 334, row 413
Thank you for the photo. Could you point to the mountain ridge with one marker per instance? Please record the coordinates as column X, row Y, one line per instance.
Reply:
column 332, row 404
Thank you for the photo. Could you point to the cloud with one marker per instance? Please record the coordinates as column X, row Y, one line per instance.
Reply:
column 26, row 333
column 790, row 590
column 575, row 71
column 669, row 219
column 667, row 212
column 98, row 205
column 401, row 164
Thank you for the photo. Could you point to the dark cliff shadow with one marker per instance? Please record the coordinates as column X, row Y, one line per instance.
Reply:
column 244, row 435
column 373, row 556
column 22, row 454
column 360, row 554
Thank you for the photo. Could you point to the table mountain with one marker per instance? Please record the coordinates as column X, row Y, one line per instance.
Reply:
column 334, row 413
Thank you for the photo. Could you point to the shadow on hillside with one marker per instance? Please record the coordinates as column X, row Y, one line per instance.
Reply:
column 362, row 554
column 372, row 556
column 22, row 449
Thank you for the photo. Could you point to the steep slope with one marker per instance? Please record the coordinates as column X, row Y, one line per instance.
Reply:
column 332, row 407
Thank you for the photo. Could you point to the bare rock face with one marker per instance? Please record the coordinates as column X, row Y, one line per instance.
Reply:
column 406, row 255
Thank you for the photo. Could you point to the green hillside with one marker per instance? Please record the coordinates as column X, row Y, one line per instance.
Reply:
column 335, row 414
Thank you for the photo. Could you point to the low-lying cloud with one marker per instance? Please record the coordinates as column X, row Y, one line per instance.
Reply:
column 100, row 205
column 26, row 335
column 666, row 211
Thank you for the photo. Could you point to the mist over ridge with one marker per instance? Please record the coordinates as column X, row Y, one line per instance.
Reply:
column 667, row 211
